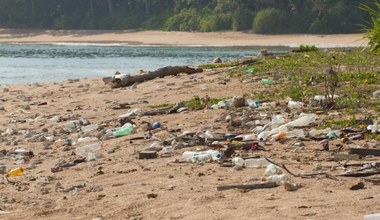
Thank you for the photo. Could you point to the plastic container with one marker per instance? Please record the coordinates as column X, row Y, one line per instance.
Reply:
column 192, row 156
column 302, row 121
column 372, row 217
column 167, row 150
column 71, row 124
column 202, row 156
column 125, row 130
column 238, row 161
column 289, row 134
column 246, row 137
column 279, row 179
column 266, row 81
column 3, row 169
column 272, row 170
column 215, row 155
column 87, row 149
column 295, row 105
column 373, row 128
column 16, row 171
column 89, row 128
column 87, row 139
column 256, row 162
column 315, row 133
column 263, row 135
column 156, row 124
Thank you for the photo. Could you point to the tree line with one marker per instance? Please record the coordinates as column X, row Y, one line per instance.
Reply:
column 261, row 16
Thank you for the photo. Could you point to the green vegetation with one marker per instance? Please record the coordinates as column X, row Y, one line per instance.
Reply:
column 373, row 28
column 270, row 16
column 302, row 76
column 197, row 103
column 307, row 48
column 160, row 106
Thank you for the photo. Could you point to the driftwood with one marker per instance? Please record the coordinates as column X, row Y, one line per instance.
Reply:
column 364, row 151
column 120, row 80
column 248, row 187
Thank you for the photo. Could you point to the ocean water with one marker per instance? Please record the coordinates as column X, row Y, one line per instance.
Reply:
column 31, row 63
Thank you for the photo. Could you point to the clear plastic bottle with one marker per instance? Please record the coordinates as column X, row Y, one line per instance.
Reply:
column 272, row 170
column 193, row 156
column 87, row 139
column 125, row 130
column 16, row 171
column 279, row 179
column 303, row 120
column 89, row 128
column 87, row 149
column 215, row 155
column 256, row 162
column 295, row 105
column 238, row 161
column 3, row 169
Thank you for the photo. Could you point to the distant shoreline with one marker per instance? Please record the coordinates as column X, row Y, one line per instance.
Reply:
column 164, row 38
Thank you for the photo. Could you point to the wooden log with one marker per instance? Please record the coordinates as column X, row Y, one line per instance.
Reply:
column 248, row 187
column 364, row 151
column 120, row 80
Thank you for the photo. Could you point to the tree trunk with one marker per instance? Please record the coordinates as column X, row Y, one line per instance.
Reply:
column 126, row 80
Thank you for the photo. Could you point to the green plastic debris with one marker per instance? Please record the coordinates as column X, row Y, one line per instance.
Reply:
column 251, row 70
column 266, row 81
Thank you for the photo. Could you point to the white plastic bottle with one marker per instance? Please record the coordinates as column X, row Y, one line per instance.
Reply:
column 238, row 161
column 272, row 170
column 279, row 179
column 215, row 155
column 193, row 156
column 89, row 128
column 256, row 162
column 87, row 149
column 87, row 139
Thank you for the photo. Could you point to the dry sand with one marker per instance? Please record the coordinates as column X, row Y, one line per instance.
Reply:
column 178, row 38
column 117, row 185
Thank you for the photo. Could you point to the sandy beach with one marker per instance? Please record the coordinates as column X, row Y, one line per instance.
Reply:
column 58, row 183
column 178, row 38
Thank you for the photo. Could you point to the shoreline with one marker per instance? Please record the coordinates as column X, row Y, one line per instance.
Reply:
column 164, row 38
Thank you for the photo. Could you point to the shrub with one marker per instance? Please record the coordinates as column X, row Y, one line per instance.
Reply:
column 373, row 30
column 186, row 20
column 270, row 21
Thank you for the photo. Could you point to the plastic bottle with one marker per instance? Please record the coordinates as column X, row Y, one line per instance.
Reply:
column 71, row 124
column 279, row 179
column 193, row 156
column 272, row 170
column 215, row 155
column 89, row 128
column 238, row 161
column 87, row 139
column 263, row 135
column 3, row 169
column 295, row 105
column 167, row 150
column 87, row 148
column 16, row 172
column 303, row 120
column 373, row 128
column 125, row 130
column 266, row 81
column 256, row 162
column 372, row 217
column 246, row 137
column 289, row 134
column 315, row 133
